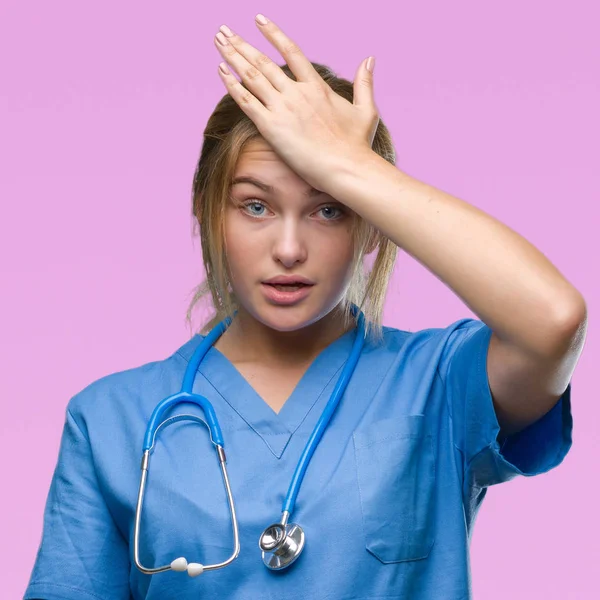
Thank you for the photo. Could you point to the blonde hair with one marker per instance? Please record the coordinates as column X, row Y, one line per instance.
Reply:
column 227, row 132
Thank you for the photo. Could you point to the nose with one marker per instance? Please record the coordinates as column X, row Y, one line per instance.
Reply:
column 289, row 245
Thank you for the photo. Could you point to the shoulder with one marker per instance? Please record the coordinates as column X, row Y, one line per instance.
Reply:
column 430, row 338
column 128, row 390
column 433, row 349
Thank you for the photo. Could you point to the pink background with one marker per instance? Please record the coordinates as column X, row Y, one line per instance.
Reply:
column 102, row 111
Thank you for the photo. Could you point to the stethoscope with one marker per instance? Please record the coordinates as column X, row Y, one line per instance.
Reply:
column 281, row 543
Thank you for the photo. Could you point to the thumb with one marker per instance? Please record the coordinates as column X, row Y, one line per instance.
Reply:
column 363, row 84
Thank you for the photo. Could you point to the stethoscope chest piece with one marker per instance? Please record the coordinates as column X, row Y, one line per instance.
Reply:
column 281, row 545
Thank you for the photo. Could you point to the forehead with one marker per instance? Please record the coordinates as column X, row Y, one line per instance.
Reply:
column 258, row 151
column 258, row 161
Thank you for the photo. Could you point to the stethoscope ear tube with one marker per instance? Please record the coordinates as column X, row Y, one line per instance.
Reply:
column 168, row 403
column 186, row 395
column 154, row 425
column 181, row 563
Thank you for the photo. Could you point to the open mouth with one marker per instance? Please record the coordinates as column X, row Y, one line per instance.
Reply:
column 286, row 293
column 288, row 287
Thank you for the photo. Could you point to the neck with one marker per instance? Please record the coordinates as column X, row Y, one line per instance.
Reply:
column 249, row 340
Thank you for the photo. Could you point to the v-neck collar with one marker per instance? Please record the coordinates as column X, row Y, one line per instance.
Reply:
column 275, row 429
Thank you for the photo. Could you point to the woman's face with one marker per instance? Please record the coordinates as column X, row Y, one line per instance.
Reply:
column 285, row 231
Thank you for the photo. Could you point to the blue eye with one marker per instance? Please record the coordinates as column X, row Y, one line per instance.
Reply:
column 332, row 208
column 254, row 203
column 336, row 210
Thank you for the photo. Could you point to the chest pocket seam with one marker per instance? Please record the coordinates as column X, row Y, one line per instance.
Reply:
column 396, row 475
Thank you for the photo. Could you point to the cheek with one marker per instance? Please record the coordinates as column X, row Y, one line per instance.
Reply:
column 338, row 266
column 339, row 246
column 242, row 250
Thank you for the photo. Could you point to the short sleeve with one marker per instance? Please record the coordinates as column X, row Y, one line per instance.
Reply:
column 534, row 450
column 82, row 555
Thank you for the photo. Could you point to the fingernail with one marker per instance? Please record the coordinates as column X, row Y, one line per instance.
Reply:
column 371, row 64
column 261, row 19
column 226, row 30
column 222, row 39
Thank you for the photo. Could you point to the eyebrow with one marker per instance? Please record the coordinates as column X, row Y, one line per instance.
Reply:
column 266, row 187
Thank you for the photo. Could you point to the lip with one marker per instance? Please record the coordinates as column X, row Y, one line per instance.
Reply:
column 289, row 279
column 285, row 298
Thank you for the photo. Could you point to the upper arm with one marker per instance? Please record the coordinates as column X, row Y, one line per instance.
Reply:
column 82, row 555
column 524, row 386
column 537, row 447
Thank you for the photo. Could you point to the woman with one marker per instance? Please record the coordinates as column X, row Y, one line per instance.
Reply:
column 295, row 185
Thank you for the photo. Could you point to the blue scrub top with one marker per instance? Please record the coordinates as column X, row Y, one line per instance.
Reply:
column 388, row 502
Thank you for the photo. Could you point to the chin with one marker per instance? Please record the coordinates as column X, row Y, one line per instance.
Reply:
column 285, row 318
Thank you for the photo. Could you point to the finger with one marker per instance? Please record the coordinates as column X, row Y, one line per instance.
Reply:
column 363, row 86
column 300, row 66
column 249, row 104
column 257, row 71
column 364, row 96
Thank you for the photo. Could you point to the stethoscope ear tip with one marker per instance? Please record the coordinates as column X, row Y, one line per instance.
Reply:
column 195, row 569
column 181, row 564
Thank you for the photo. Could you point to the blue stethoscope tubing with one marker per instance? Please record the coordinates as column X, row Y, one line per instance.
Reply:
column 283, row 542
column 312, row 443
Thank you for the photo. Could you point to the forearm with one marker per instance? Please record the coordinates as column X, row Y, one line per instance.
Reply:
column 509, row 284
